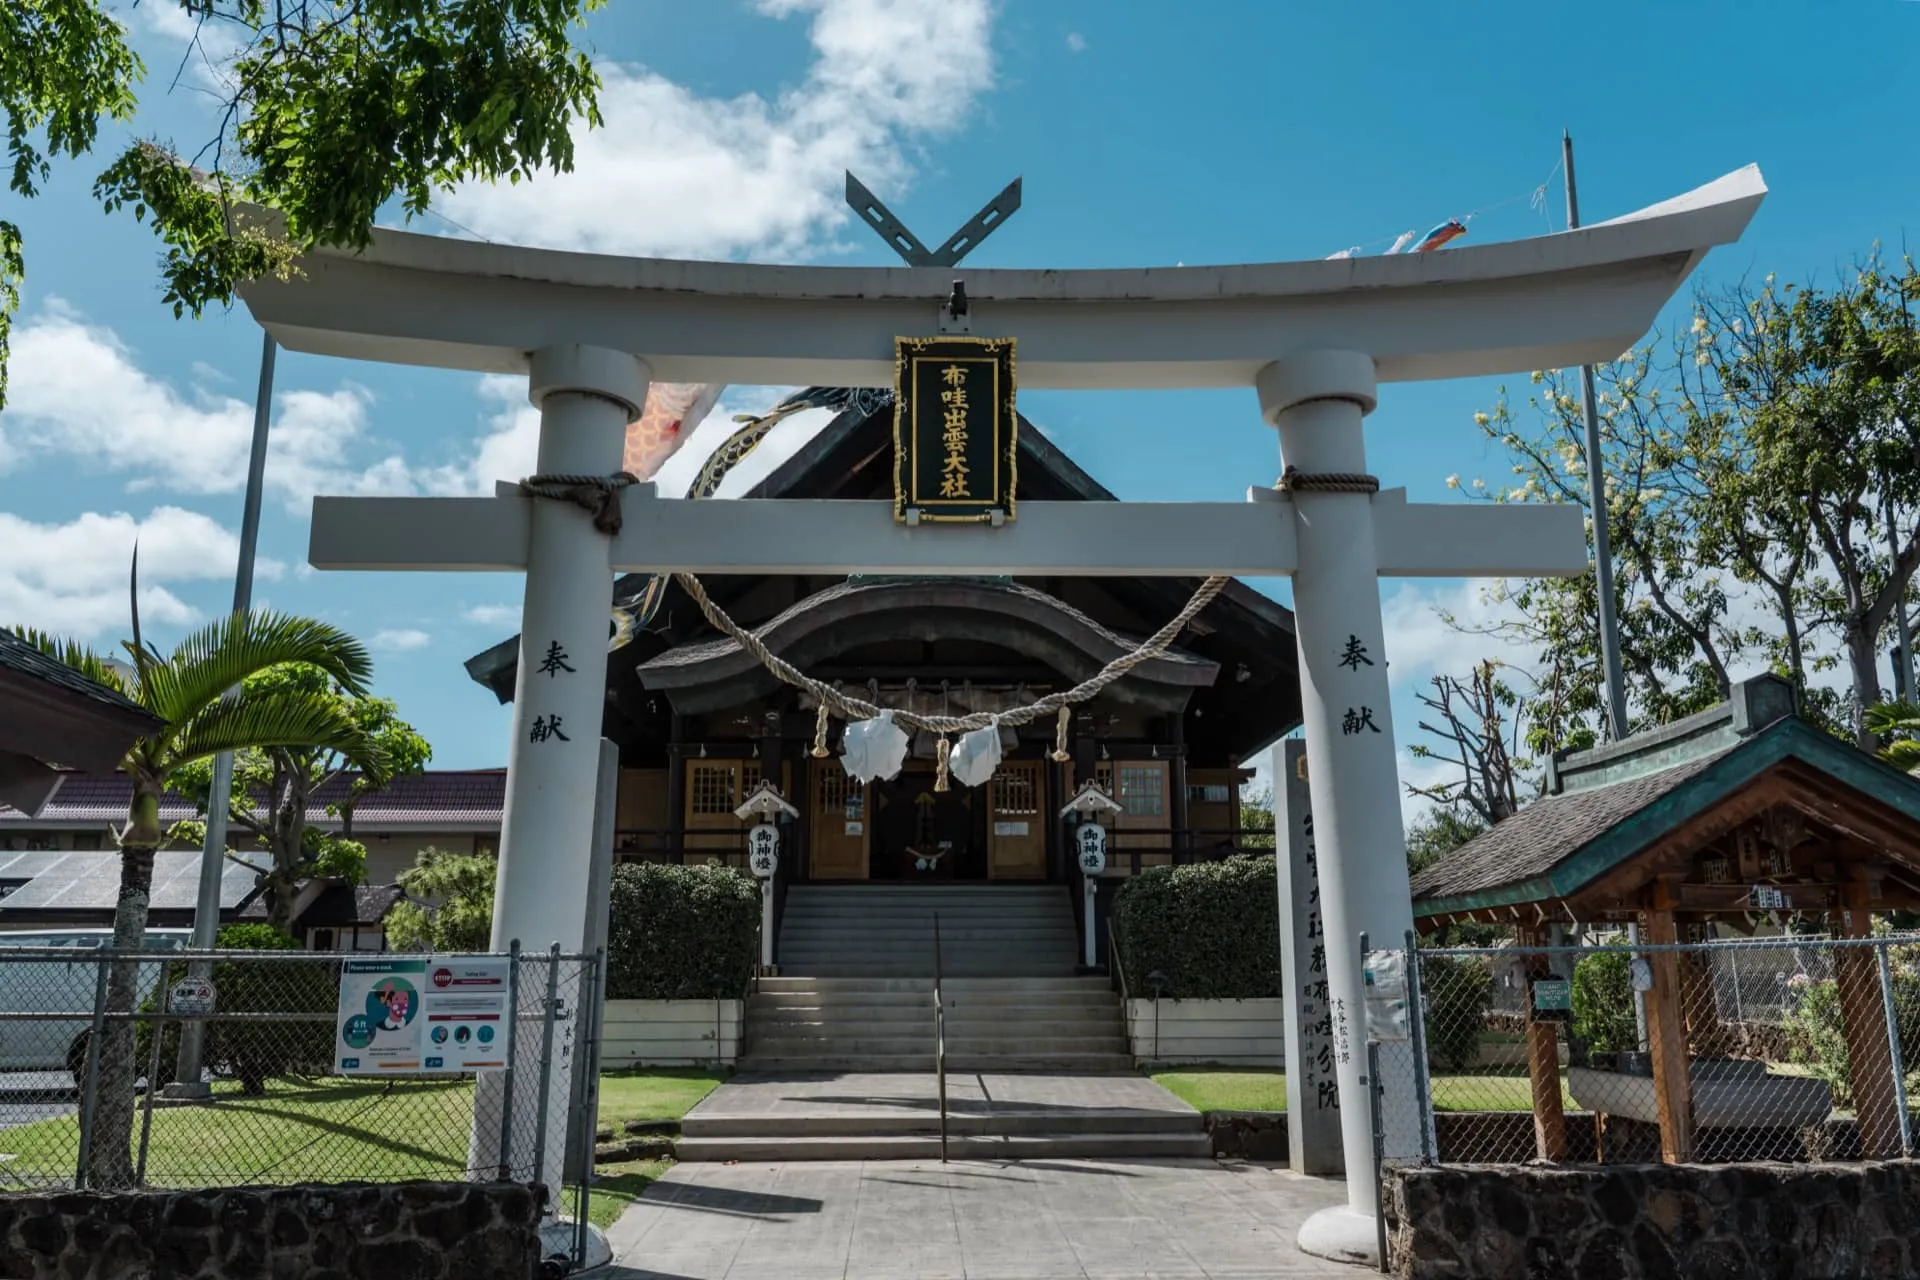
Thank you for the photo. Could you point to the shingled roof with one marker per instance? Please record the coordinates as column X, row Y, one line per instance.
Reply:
column 1606, row 805
column 454, row 799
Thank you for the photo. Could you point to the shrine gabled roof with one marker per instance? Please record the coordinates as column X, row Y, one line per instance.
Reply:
column 1559, row 844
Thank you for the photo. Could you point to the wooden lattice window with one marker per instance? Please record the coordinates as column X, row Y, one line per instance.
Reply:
column 1016, row 793
column 712, row 787
column 1143, row 790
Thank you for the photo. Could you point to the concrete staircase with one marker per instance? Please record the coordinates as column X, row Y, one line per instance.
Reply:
column 856, row 985
column 886, row 1024
column 860, row 1116
column 886, row 931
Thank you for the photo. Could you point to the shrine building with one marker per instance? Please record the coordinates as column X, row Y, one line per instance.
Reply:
column 699, row 722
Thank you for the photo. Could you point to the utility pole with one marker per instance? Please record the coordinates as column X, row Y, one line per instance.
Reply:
column 1903, row 656
column 1597, row 486
column 213, row 853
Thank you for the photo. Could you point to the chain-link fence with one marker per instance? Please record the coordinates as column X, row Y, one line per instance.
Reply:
column 445, row 1068
column 1774, row 1048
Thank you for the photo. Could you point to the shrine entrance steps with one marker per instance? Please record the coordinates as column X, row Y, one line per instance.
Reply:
column 886, row 931
column 896, row 1116
column 855, row 990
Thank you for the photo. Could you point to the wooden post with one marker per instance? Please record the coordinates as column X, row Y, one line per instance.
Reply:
column 1864, row 1018
column 1666, row 1035
column 1543, row 1061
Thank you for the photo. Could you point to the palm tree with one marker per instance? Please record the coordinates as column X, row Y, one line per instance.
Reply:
column 1899, row 723
column 199, row 694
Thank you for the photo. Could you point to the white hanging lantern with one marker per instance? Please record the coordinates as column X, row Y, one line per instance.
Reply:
column 976, row 756
column 873, row 749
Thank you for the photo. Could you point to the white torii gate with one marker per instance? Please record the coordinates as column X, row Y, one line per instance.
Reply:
column 1314, row 339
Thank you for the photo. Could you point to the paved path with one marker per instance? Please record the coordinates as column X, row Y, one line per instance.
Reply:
column 973, row 1220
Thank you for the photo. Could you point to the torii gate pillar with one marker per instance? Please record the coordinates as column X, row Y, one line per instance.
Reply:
column 587, row 396
column 1318, row 401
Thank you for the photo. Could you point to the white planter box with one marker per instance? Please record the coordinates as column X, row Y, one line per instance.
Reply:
column 671, row 1033
column 1227, row 1033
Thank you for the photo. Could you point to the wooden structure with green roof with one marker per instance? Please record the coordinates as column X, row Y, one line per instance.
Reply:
column 1741, row 816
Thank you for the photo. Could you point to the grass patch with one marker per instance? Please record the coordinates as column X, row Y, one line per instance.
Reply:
column 664, row 1093
column 333, row 1129
column 616, row 1186
column 1221, row 1089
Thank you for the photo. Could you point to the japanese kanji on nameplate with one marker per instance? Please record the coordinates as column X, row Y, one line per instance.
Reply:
column 955, row 429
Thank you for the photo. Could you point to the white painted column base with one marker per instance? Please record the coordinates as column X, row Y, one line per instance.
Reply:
column 1342, row 1234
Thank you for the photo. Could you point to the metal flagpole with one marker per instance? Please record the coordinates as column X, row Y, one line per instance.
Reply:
column 1597, row 486
column 206, row 913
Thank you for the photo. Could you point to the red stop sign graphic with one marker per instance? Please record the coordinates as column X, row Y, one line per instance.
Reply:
column 443, row 977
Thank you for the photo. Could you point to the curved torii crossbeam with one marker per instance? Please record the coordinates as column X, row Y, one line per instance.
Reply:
column 1314, row 339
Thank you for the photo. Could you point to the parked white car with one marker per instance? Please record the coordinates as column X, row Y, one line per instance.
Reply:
column 58, row 986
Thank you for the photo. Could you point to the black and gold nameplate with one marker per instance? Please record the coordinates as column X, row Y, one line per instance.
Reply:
column 954, row 428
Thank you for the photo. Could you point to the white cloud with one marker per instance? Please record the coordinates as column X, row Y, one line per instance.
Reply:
column 399, row 641
column 507, row 450
column 72, row 578
column 494, row 615
column 1076, row 43
column 675, row 174
column 77, row 390
column 1421, row 644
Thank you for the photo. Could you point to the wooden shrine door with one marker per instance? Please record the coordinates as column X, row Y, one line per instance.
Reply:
column 1017, row 830
column 838, row 824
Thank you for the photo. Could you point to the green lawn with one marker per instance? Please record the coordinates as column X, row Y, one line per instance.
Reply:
column 615, row 1186
column 337, row 1130
column 1221, row 1089
column 661, row 1093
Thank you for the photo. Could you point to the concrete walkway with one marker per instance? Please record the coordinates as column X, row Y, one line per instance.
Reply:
column 973, row 1220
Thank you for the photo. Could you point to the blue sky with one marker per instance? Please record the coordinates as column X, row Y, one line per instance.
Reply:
column 1146, row 134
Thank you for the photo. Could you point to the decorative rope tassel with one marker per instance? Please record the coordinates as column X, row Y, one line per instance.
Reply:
column 820, row 751
column 1060, row 753
column 942, row 750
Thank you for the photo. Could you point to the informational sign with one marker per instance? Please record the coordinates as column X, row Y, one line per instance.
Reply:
column 1313, row 1093
column 1091, row 840
column 413, row 1015
column 954, row 428
column 763, row 850
column 1551, row 999
column 192, row 995
column 1388, row 1019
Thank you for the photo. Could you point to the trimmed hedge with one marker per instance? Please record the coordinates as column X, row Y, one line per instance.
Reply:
column 1213, row 928
column 673, row 931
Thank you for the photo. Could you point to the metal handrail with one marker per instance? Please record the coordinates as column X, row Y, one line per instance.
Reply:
column 939, row 1039
column 1116, row 960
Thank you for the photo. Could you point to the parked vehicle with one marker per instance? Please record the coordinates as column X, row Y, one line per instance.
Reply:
column 63, row 990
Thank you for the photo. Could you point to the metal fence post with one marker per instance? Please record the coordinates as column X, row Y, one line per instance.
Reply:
column 153, row 1084
column 546, row 1068
column 589, row 1109
column 513, row 1050
column 90, row 1088
column 1374, row 1103
column 1417, row 1027
column 1893, row 1037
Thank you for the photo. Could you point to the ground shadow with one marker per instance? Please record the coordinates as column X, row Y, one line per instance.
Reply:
column 726, row 1200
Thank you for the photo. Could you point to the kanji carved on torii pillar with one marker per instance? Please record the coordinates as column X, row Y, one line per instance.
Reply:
column 1314, row 338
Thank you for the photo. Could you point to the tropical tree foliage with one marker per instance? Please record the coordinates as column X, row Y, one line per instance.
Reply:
column 273, row 787
column 448, row 904
column 327, row 111
column 1763, row 497
column 188, row 690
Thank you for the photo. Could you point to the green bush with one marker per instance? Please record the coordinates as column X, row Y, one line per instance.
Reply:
column 1603, row 1002
column 1458, row 992
column 253, row 1052
column 674, row 930
column 1212, row 928
column 1816, row 1031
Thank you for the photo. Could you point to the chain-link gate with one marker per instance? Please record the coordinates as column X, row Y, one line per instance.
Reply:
column 90, row 1038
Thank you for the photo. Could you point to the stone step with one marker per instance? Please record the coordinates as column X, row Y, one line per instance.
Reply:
column 1195, row 1145
column 954, row 999
column 1077, row 1021
column 953, row 987
column 1075, row 1064
column 982, row 970
column 787, row 1044
column 919, row 1122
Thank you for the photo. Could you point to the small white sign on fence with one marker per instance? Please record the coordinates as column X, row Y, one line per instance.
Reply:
column 192, row 995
